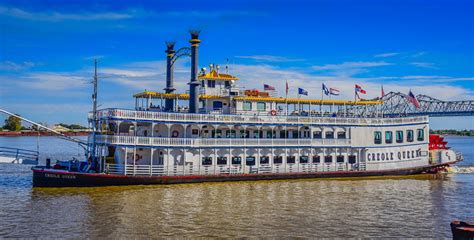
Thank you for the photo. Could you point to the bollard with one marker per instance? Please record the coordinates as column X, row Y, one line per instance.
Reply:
column 48, row 163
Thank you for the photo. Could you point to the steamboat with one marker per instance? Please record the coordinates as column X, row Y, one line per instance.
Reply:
column 220, row 132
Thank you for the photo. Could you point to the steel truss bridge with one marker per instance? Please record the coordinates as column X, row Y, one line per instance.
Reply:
column 397, row 104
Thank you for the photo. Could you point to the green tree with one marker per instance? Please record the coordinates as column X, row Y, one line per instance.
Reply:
column 13, row 124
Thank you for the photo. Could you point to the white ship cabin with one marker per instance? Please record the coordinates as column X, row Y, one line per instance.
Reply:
column 237, row 130
column 219, row 93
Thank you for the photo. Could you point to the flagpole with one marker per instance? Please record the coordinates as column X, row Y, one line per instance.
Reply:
column 286, row 97
column 321, row 105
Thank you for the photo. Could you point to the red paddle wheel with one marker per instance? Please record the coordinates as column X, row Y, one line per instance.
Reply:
column 437, row 142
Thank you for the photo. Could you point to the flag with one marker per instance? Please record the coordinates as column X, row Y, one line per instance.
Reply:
column 287, row 88
column 267, row 87
column 333, row 91
column 359, row 89
column 325, row 90
column 411, row 98
column 302, row 92
column 383, row 92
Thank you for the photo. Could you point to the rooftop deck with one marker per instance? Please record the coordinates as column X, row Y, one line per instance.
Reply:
column 134, row 115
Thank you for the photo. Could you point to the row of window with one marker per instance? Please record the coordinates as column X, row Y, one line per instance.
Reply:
column 251, row 160
column 261, row 106
column 399, row 138
column 273, row 134
column 212, row 83
column 403, row 155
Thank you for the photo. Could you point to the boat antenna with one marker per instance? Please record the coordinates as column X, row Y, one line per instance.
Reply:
column 227, row 66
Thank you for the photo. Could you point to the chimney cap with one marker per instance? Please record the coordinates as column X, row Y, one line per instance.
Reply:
column 194, row 33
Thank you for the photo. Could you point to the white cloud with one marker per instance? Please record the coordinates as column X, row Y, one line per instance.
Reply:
column 423, row 64
column 419, row 54
column 384, row 55
column 12, row 66
column 349, row 68
column 52, row 81
column 59, row 16
column 270, row 58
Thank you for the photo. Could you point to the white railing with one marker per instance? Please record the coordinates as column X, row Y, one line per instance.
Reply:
column 233, row 119
column 179, row 170
column 216, row 142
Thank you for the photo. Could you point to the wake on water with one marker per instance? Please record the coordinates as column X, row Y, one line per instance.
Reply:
column 462, row 169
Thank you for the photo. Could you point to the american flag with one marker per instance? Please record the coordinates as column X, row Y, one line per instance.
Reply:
column 267, row 87
column 411, row 98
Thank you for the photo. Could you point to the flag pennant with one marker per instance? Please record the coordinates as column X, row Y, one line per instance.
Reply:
column 267, row 87
column 412, row 98
column 287, row 88
column 333, row 91
column 325, row 90
column 302, row 92
column 359, row 89
column 383, row 92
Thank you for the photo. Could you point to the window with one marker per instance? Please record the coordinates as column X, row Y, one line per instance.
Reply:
column 291, row 159
column 206, row 160
column 261, row 106
column 328, row 159
column 388, row 137
column 410, row 136
column 264, row 160
column 352, row 159
column 341, row 135
column 247, row 106
column 221, row 160
column 211, row 83
column 227, row 84
column 316, row 159
column 236, row 160
column 278, row 159
column 317, row 135
column 217, row 105
column 420, row 135
column 340, row 159
column 377, row 137
column 304, row 159
column 330, row 135
column 283, row 134
column 250, row 161
column 399, row 137
column 295, row 134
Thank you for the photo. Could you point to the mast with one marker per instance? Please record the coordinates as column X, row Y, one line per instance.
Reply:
column 94, row 114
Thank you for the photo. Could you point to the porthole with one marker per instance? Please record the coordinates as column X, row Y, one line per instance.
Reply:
column 399, row 155
column 383, row 157
column 391, row 156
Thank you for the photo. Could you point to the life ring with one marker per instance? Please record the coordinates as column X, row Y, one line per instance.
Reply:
column 273, row 112
column 175, row 134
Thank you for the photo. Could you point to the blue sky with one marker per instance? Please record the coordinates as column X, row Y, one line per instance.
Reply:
column 47, row 49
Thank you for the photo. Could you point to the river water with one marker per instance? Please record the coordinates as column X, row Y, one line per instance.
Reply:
column 419, row 206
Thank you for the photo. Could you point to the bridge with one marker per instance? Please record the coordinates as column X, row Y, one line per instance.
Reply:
column 397, row 104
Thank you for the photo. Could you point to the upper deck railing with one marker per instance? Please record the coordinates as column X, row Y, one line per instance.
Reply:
column 216, row 142
column 252, row 119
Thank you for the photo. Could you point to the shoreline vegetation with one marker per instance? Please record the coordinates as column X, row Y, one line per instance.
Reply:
column 13, row 128
column 452, row 132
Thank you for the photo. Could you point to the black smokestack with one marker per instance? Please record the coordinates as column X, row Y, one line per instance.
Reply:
column 194, row 83
column 169, row 103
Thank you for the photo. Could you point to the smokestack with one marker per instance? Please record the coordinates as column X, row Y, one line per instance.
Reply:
column 169, row 103
column 194, row 83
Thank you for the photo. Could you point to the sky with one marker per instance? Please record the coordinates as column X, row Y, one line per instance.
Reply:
column 47, row 49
